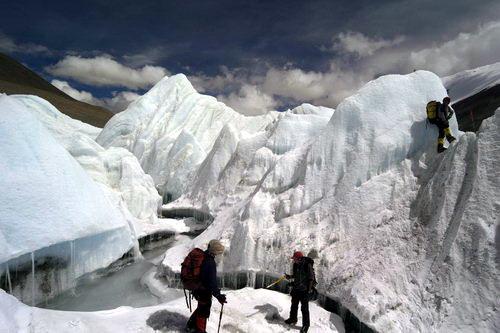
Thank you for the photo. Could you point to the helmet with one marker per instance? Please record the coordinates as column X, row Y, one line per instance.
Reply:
column 297, row 255
column 446, row 100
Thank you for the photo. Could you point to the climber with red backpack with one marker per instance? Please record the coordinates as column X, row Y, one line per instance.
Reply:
column 199, row 276
column 439, row 114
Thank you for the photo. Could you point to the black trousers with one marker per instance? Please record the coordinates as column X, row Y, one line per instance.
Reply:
column 303, row 298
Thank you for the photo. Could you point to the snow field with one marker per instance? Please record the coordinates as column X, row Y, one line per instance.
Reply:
column 247, row 310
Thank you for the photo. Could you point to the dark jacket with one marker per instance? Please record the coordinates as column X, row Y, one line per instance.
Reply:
column 303, row 275
column 444, row 113
column 208, row 274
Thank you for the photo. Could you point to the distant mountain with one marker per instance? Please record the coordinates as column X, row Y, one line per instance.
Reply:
column 475, row 94
column 17, row 79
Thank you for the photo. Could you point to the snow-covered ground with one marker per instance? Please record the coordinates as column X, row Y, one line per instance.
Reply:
column 247, row 310
column 467, row 83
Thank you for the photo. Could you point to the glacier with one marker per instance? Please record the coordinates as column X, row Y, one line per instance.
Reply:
column 407, row 239
column 366, row 173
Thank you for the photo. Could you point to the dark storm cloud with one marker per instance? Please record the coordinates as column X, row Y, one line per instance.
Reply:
column 259, row 42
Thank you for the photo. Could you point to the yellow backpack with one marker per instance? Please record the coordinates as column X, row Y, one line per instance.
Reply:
column 432, row 110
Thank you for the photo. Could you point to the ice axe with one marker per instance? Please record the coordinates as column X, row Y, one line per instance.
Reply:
column 276, row 282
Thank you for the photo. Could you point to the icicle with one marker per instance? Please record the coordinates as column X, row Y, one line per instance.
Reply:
column 33, row 278
column 8, row 278
column 72, row 263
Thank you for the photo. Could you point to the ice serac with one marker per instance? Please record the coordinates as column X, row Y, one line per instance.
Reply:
column 171, row 129
column 405, row 236
column 48, row 200
column 239, row 160
column 115, row 168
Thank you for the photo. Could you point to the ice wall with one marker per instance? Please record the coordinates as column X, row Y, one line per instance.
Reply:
column 55, row 220
column 47, row 197
column 115, row 168
column 393, row 221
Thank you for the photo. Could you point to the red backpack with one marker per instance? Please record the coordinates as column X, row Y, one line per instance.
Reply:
column 191, row 269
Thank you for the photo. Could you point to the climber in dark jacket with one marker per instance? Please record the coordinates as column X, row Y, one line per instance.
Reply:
column 197, row 323
column 303, row 283
column 444, row 112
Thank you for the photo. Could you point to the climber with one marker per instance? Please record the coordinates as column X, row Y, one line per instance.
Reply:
column 303, row 284
column 439, row 114
column 202, row 274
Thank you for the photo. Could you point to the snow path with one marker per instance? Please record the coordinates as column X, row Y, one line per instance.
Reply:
column 247, row 310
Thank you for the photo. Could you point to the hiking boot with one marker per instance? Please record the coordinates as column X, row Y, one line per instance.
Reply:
column 450, row 138
column 441, row 148
column 304, row 329
column 291, row 321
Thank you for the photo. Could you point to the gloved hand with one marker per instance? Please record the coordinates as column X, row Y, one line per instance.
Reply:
column 288, row 276
column 221, row 298
column 312, row 294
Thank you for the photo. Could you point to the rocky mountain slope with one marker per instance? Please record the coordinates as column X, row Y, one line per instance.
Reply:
column 17, row 79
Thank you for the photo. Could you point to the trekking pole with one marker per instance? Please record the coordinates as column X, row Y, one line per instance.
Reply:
column 220, row 316
column 190, row 298
column 276, row 282
column 185, row 297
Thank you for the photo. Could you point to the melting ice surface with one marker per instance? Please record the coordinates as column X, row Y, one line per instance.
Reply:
column 117, row 287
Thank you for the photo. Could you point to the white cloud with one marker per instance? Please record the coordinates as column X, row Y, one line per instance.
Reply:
column 105, row 71
column 467, row 50
column 296, row 83
column 376, row 57
column 226, row 80
column 357, row 43
column 118, row 102
column 7, row 45
column 250, row 100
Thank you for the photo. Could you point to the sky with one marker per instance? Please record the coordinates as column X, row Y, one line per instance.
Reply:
column 254, row 56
